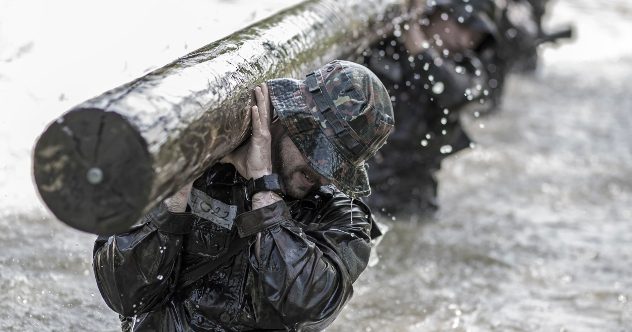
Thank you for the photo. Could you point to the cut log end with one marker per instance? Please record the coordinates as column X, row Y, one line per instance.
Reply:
column 80, row 174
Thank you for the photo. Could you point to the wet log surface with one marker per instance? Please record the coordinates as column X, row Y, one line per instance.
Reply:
column 109, row 160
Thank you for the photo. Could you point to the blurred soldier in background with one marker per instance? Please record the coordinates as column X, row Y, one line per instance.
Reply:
column 432, row 71
column 444, row 57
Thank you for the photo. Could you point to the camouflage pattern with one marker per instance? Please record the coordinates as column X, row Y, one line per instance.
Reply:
column 338, row 139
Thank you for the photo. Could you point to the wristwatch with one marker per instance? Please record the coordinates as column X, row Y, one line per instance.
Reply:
column 270, row 182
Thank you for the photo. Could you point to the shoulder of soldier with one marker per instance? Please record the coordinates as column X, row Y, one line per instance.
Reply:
column 329, row 200
column 334, row 197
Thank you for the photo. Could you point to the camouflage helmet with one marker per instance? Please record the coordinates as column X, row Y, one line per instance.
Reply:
column 338, row 117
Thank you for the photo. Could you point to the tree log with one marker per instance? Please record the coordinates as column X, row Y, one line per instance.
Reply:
column 105, row 163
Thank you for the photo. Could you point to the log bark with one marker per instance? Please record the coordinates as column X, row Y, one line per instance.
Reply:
column 105, row 163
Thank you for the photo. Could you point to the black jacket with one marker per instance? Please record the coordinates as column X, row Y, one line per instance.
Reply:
column 311, row 251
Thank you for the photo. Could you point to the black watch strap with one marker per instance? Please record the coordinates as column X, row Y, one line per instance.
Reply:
column 270, row 182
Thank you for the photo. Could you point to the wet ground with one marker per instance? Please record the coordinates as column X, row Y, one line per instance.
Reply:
column 535, row 231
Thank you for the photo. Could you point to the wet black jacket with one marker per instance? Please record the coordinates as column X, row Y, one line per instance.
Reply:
column 311, row 251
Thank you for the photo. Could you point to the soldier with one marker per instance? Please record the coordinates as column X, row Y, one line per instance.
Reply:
column 446, row 57
column 271, row 238
column 433, row 69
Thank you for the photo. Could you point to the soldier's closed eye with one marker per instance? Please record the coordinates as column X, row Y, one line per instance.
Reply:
column 308, row 177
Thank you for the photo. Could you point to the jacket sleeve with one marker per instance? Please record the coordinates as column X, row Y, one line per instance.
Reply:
column 306, row 273
column 138, row 270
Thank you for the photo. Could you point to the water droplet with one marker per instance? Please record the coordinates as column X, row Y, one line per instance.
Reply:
column 438, row 88
column 444, row 121
column 424, row 142
column 160, row 277
column 446, row 149
column 459, row 69
column 94, row 175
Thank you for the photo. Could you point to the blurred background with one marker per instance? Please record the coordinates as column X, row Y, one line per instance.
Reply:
column 534, row 230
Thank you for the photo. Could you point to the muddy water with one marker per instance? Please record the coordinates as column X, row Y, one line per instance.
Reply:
column 535, row 231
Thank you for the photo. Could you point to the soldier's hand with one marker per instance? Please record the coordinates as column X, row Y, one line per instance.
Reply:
column 254, row 159
column 259, row 156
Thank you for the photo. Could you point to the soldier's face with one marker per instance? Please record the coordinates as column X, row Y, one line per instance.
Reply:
column 453, row 36
column 299, row 179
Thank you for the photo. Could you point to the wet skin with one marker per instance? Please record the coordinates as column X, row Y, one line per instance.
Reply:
column 297, row 176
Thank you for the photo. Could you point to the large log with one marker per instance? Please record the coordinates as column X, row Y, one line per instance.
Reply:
column 109, row 160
